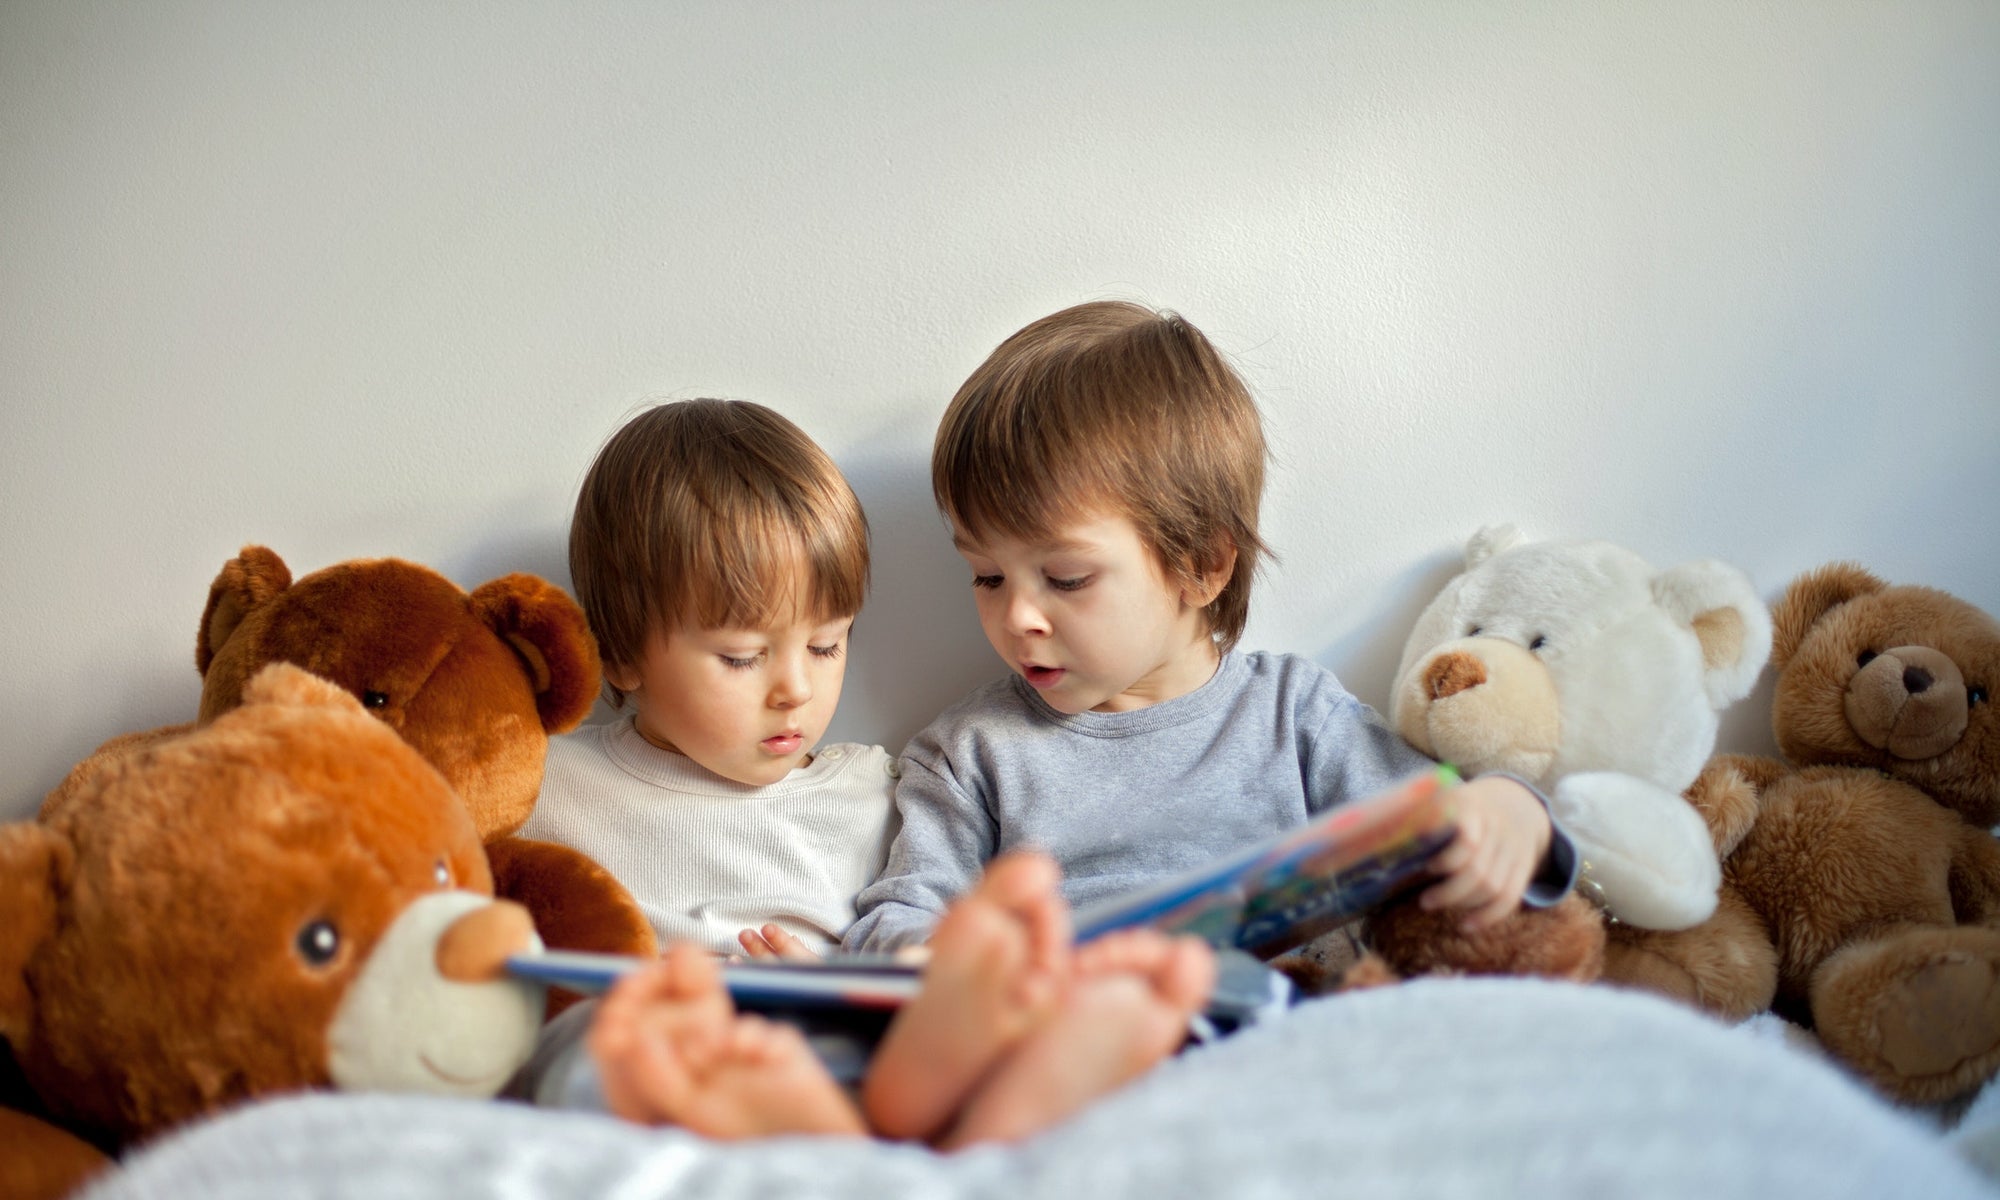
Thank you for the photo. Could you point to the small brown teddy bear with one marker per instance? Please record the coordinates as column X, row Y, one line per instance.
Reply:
column 1867, row 857
column 476, row 683
column 287, row 897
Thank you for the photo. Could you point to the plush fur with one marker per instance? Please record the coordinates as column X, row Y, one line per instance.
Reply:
column 476, row 682
column 1866, row 859
column 1586, row 671
column 253, row 906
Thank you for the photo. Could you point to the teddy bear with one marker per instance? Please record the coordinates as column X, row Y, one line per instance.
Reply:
column 286, row 897
column 476, row 682
column 1581, row 669
column 1866, row 855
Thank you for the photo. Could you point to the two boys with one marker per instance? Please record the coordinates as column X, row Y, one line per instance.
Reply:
column 1101, row 474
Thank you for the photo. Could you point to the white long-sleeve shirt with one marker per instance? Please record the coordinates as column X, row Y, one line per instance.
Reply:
column 706, row 857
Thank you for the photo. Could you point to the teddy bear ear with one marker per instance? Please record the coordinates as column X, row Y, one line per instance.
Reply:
column 246, row 583
column 35, row 868
column 1810, row 597
column 1492, row 540
column 549, row 633
column 295, row 687
column 1719, row 604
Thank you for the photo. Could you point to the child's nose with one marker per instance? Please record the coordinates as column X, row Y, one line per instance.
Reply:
column 1023, row 616
column 791, row 687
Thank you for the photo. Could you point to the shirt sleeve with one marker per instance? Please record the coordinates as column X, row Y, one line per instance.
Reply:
column 944, row 843
column 1351, row 753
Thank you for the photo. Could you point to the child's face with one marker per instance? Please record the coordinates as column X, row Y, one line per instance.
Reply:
column 1090, row 617
column 747, row 704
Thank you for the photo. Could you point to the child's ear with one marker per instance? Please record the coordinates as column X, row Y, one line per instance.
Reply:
column 622, row 677
column 1201, row 584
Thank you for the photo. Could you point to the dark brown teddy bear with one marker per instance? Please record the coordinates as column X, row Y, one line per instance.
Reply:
column 1867, row 856
column 476, row 682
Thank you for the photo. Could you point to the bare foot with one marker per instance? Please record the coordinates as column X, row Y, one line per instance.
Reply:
column 671, row 1049
column 1131, row 996
column 998, row 967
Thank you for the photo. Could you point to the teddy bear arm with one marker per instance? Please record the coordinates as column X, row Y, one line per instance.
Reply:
column 1975, row 877
column 576, row 904
column 1727, row 800
column 1645, row 851
column 43, row 1162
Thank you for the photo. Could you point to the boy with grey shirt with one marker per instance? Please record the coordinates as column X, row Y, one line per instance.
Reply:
column 1101, row 473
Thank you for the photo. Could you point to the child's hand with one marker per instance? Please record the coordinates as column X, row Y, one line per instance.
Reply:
column 772, row 943
column 1503, row 832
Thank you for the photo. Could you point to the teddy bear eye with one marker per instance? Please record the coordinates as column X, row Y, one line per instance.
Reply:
column 442, row 874
column 1474, row 631
column 1975, row 695
column 374, row 699
column 1539, row 641
column 318, row 942
column 1864, row 658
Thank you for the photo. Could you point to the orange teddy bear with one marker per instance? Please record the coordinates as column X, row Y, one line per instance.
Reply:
column 286, row 897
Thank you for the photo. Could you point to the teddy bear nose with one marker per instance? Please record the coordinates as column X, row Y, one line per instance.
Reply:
column 1916, row 679
column 474, row 947
column 1453, row 673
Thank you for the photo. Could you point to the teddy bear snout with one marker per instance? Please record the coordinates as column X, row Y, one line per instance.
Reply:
column 1453, row 673
column 1909, row 700
column 475, row 947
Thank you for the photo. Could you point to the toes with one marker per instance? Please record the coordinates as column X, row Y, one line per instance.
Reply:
column 1138, row 951
column 688, row 972
column 1187, row 976
column 1018, row 878
column 1180, row 970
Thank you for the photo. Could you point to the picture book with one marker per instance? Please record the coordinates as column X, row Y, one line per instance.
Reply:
column 1263, row 899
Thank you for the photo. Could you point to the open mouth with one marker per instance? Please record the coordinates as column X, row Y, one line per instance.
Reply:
column 1043, row 677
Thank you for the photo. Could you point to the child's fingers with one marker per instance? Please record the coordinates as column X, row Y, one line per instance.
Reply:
column 1470, row 878
column 1457, row 891
column 788, row 947
column 1491, row 913
column 756, row 945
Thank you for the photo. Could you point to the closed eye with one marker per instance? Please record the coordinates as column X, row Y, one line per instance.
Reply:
column 832, row 651
column 1070, row 585
column 738, row 664
column 986, row 581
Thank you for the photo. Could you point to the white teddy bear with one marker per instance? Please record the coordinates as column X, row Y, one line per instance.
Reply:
column 1577, row 666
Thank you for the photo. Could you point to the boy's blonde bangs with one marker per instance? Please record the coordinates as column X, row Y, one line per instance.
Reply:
column 713, row 514
column 764, row 568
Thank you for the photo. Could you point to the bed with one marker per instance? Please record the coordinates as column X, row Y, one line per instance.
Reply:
column 1442, row 1088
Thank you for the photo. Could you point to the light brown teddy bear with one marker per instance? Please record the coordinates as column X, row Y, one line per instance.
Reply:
column 1867, row 857
column 476, row 682
column 287, row 897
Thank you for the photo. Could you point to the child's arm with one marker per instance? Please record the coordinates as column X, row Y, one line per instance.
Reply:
column 945, row 841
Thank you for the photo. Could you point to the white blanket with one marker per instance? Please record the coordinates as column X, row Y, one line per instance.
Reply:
column 1474, row 1088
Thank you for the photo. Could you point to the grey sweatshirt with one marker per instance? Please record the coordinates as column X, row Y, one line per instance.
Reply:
column 1125, row 799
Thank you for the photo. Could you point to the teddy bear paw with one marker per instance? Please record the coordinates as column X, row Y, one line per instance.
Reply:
column 1941, row 1017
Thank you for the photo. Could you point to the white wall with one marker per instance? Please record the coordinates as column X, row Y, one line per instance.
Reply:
column 1707, row 277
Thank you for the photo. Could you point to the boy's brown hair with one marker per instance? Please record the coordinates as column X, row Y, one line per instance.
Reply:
column 1111, row 406
column 712, row 513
